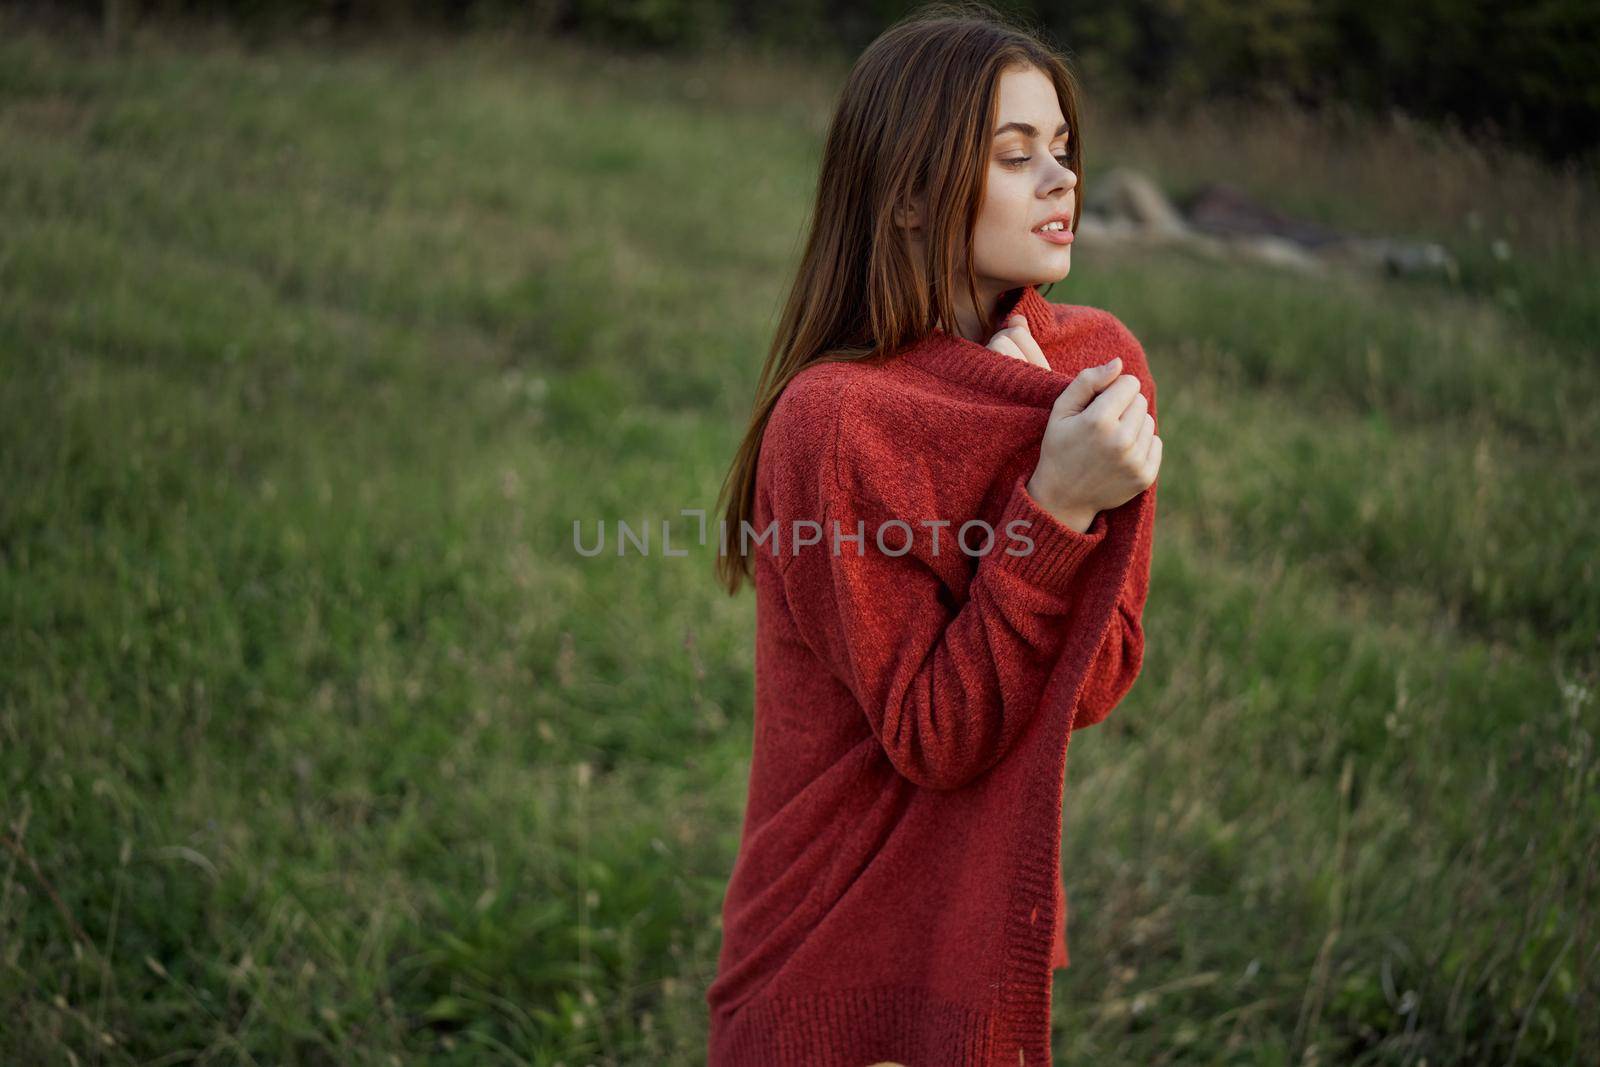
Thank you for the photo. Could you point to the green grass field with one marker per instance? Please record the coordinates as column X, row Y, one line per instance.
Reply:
column 320, row 744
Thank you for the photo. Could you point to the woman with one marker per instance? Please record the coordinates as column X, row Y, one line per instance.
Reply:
column 946, row 502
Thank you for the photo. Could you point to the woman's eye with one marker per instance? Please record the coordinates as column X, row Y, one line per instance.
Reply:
column 1065, row 161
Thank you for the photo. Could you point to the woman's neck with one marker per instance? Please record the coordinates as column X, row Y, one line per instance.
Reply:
column 973, row 325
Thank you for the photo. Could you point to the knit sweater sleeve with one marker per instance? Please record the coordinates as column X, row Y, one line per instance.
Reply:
column 945, row 686
column 1121, row 654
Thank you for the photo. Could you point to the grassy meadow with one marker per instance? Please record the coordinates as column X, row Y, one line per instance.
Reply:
column 320, row 743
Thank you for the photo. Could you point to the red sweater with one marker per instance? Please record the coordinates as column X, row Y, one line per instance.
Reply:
column 897, row 892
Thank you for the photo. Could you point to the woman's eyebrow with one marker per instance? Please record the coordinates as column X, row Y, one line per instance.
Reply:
column 1027, row 129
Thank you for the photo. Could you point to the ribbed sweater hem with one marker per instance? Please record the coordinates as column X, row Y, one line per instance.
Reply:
column 854, row 1028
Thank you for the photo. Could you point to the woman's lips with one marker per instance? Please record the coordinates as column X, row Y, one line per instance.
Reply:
column 1055, row 237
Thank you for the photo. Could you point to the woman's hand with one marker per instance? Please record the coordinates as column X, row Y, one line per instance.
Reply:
column 1015, row 341
column 1099, row 449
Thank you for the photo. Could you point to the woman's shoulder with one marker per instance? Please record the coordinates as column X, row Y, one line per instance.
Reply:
column 1088, row 324
column 830, row 415
column 807, row 416
column 800, row 441
column 809, row 403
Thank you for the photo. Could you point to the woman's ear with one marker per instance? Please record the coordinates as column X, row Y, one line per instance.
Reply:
column 908, row 215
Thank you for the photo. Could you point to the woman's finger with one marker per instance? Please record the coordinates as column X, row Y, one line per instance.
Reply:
column 1029, row 345
column 1004, row 345
column 1016, row 331
column 1144, row 439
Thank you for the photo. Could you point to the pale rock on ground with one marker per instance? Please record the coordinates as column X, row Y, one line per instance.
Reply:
column 1124, row 207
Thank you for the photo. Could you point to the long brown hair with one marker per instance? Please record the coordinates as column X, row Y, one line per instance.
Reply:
column 913, row 121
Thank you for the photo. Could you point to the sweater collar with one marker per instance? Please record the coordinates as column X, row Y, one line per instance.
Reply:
column 954, row 358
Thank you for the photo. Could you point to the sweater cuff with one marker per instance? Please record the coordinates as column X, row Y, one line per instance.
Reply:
column 1058, row 549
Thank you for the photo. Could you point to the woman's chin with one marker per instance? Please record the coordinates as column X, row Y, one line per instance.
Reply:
column 1055, row 272
column 1039, row 275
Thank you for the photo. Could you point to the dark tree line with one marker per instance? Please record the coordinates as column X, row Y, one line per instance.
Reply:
column 1527, row 71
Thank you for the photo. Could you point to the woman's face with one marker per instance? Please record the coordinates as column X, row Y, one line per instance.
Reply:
column 1028, row 184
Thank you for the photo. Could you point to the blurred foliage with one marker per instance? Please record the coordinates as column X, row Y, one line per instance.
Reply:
column 1527, row 71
